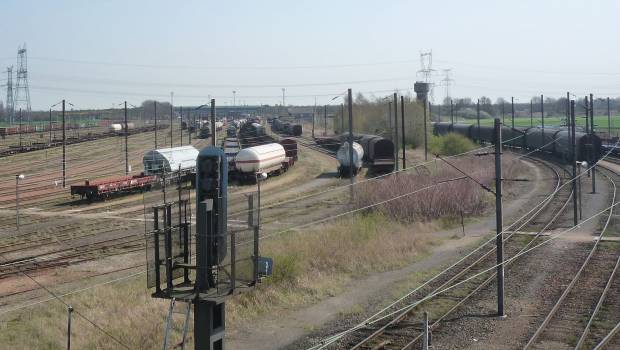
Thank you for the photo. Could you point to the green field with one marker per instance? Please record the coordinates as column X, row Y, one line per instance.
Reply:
column 55, row 119
column 600, row 122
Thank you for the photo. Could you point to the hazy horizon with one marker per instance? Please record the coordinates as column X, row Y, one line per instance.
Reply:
column 97, row 54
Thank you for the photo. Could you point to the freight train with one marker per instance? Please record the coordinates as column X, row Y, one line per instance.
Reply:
column 551, row 140
column 159, row 164
column 377, row 155
column 286, row 128
column 169, row 164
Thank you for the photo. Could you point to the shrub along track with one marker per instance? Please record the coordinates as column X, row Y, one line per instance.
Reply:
column 571, row 317
column 402, row 329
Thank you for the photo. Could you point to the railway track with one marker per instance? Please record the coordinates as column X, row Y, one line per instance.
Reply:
column 402, row 330
column 582, row 316
column 72, row 242
column 309, row 143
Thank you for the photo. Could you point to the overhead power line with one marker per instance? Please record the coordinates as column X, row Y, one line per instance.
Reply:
column 163, row 66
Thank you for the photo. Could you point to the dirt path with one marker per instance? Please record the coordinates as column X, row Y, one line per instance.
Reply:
column 285, row 329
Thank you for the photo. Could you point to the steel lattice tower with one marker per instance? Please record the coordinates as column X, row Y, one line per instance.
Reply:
column 447, row 81
column 426, row 70
column 10, row 104
column 22, row 92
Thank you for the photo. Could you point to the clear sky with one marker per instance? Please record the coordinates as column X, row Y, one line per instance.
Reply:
column 99, row 53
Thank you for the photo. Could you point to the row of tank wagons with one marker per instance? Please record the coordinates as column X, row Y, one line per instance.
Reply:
column 375, row 152
column 282, row 127
column 204, row 129
column 160, row 166
column 551, row 140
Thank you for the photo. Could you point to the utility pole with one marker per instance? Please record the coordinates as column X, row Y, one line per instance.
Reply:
column 389, row 118
column 350, row 102
column 171, row 116
column 155, row 112
column 503, row 112
column 591, row 148
column 213, row 131
column 342, row 118
column 396, row 130
column 587, row 110
column 499, row 226
column 425, row 101
column 325, row 120
column 64, row 147
column 20, row 128
column 512, row 106
column 181, row 123
column 452, row 111
column 126, row 133
column 531, row 114
column 542, row 117
column 50, row 124
column 608, row 122
column 574, row 161
column 430, row 111
column 313, row 116
column 478, row 119
column 402, row 119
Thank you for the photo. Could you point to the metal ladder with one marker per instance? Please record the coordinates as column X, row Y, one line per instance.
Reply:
column 169, row 322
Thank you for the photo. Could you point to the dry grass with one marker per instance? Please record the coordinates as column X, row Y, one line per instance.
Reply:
column 309, row 266
column 445, row 200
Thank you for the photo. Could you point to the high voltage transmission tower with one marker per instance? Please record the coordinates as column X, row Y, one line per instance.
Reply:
column 22, row 92
column 447, row 81
column 426, row 69
column 10, row 105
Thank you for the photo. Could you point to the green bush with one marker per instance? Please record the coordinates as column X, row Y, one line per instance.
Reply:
column 450, row 144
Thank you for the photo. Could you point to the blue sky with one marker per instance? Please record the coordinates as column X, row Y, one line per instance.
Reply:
column 99, row 53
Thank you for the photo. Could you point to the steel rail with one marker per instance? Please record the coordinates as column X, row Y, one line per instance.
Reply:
column 601, row 300
column 608, row 337
column 572, row 283
column 467, row 268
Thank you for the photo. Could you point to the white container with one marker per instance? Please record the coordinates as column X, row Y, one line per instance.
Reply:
column 343, row 155
column 263, row 158
column 169, row 160
column 115, row 127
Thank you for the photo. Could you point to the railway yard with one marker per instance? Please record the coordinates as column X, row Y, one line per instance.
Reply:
column 561, row 280
column 314, row 175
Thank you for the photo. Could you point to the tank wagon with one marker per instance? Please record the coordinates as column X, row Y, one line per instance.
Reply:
column 118, row 128
column 343, row 157
column 552, row 140
column 378, row 153
column 270, row 158
column 159, row 164
column 168, row 160
column 286, row 128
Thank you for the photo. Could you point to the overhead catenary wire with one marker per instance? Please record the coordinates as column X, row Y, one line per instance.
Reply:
column 371, row 319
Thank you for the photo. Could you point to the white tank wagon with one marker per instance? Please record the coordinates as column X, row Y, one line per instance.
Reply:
column 270, row 158
column 118, row 127
column 343, row 157
column 168, row 160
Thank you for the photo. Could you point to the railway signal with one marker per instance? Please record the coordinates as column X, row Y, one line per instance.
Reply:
column 221, row 268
